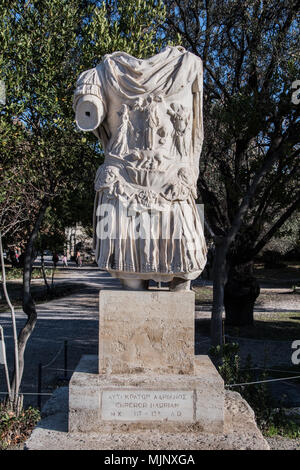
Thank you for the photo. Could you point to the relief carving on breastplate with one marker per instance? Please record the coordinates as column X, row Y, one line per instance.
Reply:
column 120, row 144
column 181, row 187
column 180, row 117
column 140, row 126
column 105, row 177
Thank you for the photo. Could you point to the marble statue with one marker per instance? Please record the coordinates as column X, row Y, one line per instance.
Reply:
column 147, row 115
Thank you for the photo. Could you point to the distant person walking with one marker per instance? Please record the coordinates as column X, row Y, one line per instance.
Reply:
column 78, row 259
column 65, row 260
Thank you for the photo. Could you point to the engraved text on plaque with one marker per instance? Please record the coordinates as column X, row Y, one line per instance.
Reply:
column 147, row 405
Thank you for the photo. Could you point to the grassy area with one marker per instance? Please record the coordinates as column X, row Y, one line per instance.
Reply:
column 289, row 426
column 285, row 276
column 203, row 295
column 290, row 430
column 17, row 273
column 273, row 326
column 280, row 316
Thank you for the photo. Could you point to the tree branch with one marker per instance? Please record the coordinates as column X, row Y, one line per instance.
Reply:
column 267, row 237
column 272, row 155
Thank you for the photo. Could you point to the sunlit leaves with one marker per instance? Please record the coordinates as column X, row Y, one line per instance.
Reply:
column 44, row 46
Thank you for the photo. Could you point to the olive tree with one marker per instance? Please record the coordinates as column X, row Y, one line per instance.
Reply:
column 249, row 166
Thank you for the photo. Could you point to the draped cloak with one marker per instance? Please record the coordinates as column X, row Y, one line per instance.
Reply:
column 146, row 222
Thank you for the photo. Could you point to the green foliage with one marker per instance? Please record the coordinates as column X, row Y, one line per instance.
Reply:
column 46, row 163
column 229, row 361
column 52, row 233
column 14, row 428
column 250, row 58
column 129, row 26
column 44, row 46
column 270, row 418
column 287, row 428
column 17, row 273
column 287, row 238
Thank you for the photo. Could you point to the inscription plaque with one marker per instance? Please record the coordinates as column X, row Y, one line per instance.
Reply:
column 150, row 405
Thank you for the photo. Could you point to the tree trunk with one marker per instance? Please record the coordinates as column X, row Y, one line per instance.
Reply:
column 28, row 302
column 52, row 278
column 13, row 392
column 219, row 280
column 240, row 294
column 44, row 273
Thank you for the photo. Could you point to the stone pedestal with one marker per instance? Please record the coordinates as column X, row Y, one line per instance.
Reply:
column 146, row 332
column 146, row 375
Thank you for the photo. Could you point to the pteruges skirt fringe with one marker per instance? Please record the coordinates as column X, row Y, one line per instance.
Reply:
column 148, row 244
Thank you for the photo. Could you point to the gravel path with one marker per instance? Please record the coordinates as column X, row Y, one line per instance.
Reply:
column 283, row 443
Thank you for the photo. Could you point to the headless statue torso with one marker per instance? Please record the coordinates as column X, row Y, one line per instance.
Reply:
column 148, row 116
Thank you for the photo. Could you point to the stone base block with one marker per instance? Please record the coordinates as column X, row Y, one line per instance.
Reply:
column 240, row 432
column 146, row 332
column 174, row 402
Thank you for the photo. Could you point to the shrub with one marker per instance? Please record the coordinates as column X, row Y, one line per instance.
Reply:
column 270, row 418
column 14, row 428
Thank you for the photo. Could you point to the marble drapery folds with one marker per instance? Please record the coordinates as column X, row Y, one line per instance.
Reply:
column 148, row 116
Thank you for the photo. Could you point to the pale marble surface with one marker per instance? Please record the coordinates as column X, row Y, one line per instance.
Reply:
column 148, row 116
column 146, row 332
column 240, row 432
column 105, row 402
